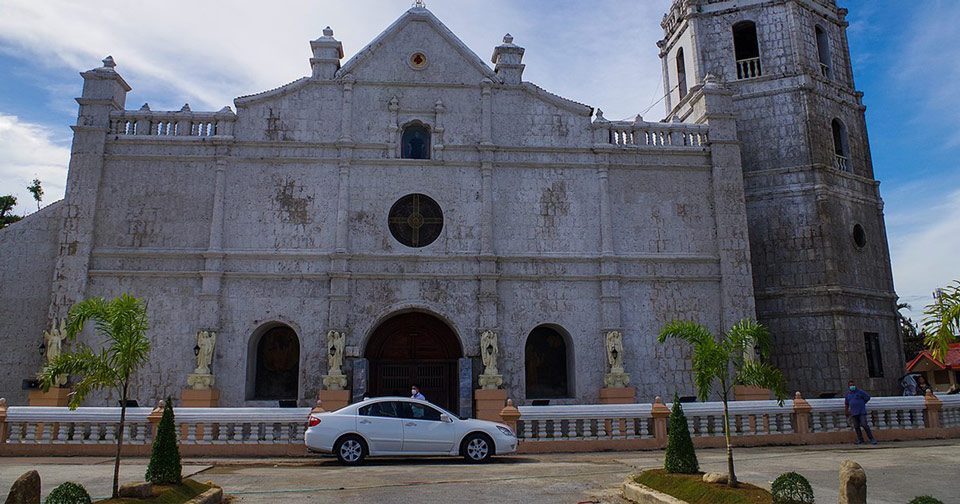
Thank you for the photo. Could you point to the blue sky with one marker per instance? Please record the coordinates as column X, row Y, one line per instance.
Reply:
column 602, row 53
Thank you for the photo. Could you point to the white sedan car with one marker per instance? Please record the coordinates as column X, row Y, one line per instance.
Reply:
column 403, row 426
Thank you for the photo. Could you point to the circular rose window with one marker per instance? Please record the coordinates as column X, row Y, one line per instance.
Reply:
column 418, row 60
column 416, row 220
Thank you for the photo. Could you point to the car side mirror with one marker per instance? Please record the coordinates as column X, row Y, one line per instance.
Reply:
column 446, row 419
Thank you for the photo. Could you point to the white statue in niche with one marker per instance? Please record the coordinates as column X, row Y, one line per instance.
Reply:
column 489, row 352
column 335, row 379
column 616, row 378
column 53, row 342
column 205, row 342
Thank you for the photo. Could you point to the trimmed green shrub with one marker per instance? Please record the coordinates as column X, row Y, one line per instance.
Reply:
column 680, row 456
column 164, row 467
column 69, row 493
column 925, row 499
column 791, row 488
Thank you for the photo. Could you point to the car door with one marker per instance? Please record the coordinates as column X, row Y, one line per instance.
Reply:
column 423, row 430
column 382, row 426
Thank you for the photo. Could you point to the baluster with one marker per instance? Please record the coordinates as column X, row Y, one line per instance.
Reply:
column 587, row 428
column 237, row 432
column 881, row 420
column 63, row 432
column 111, row 433
column 541, row 428
column 301, row 430
column 615, row 427
column 31, row 433
column 557, row 428
column 761, row 429
column 527, row 429
column 572, row 428
column 268, row 436
column 601, row 429
column 829, row 427
column 690, row 425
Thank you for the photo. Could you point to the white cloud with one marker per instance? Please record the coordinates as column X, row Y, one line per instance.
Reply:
column 924, row 249
column 208, row 53
column 29, row 151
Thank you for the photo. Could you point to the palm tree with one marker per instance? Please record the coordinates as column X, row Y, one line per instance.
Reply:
column 714, row 360
column 123, row 324
column 942, row 320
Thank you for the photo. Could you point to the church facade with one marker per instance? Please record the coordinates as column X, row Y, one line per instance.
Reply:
column 417, row 201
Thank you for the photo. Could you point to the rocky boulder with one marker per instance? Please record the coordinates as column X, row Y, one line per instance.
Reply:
column 26, row 490
column 141, row 490
column 715, row 477
column 853, row 483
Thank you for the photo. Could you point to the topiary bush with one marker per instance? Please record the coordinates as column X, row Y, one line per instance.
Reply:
column 69, row 493
column 791, row 488
column 164, row 467
column 925, row 499
column 680, row 456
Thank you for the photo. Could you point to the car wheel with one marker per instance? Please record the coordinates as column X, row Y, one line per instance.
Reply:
column 477, row 448
column 350, row 450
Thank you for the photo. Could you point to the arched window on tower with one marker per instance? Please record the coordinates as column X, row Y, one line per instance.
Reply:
column 841, row 147
column 415, row 142
column 545, row 362
column 823, row 52
column 746, row 50
column 681, row 74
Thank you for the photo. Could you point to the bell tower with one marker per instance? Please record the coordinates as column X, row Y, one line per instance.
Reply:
column 821, row 265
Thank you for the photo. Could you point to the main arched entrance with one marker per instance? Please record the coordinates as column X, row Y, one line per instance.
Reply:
column 415, row 349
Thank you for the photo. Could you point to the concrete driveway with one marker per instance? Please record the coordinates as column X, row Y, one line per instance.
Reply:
column 896, row 472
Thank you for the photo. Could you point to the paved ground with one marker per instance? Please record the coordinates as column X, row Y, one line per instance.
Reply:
column 896, row 472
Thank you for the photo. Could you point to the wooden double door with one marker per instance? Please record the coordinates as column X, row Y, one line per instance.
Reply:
column 415, row 349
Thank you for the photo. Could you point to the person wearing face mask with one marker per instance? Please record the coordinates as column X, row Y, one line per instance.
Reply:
column 415, row 393
column 855, row 405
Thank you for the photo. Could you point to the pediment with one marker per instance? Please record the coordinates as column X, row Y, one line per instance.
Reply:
column 391, row 56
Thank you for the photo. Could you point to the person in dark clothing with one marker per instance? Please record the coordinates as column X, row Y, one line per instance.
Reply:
column 922, row 386
column 855, row 405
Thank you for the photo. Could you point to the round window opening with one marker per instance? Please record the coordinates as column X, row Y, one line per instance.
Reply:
column 859, row 235
column 418, row 60
column 416, row 220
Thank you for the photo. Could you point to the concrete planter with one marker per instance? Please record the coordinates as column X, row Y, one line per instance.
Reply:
column 635, row 492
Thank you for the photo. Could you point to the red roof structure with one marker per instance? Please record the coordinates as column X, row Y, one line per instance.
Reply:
column 952, row 360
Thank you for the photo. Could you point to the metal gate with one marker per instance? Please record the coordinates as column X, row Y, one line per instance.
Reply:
column 434, row 378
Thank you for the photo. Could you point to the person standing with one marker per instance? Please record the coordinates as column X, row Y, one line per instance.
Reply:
column 922, row 386
column 415, row 393
column 855, row 405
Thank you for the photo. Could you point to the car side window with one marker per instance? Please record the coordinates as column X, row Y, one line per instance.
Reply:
column 416, row 411
column 386, row 409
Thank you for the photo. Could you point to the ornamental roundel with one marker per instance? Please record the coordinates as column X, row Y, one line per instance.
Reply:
column 418, row 61
column 416, row 220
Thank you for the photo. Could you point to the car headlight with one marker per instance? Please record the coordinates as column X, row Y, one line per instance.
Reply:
column 506, row 431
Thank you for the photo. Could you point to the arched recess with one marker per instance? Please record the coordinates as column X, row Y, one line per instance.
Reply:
column 841, row 146
column 548, row 363
column 823, row 51
column 415, row 141
column 681, row 74
column 746, row 48
column 273, row 363
column 415, row 348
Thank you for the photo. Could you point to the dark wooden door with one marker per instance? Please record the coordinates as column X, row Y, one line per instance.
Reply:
column 415, row 349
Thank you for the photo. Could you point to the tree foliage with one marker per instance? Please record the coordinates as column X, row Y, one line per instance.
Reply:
column 164, row 467
column 122, row 323
column 728, row 361
column 680, row 456
column 36, row 190
column 941, row 321
column 7, row 216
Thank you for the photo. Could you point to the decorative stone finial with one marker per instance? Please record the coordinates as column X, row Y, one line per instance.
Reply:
column 509, row 403
column 600, row 115
column 638, row 119
column 419, row 4
column 160, row 404
column 508, row 39
column 185, row 107
column 797, row 396
column 145, row 106
column 328, row 32
column 657, row 400
column 3, row 403
column 108, row 62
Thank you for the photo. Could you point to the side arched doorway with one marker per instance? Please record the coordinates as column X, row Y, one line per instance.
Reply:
column 415, row 349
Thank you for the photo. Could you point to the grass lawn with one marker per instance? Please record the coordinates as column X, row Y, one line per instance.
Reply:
column 166, row 494
column 692, row 489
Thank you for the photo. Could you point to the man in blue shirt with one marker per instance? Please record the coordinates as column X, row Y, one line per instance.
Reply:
column 856, row 406
column 415, row 393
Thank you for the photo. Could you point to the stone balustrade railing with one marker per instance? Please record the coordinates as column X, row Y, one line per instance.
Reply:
column 647, row 134
column 26, row 430
column 184, row 123
column 540, row 429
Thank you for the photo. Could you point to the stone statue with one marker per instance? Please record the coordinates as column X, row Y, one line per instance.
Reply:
column 490, row 379
column 53, row 340
column 489, row 352
column 202, row 378
column 335, row 341
column 205, row 340
column 335, row 379
column 617, row 377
